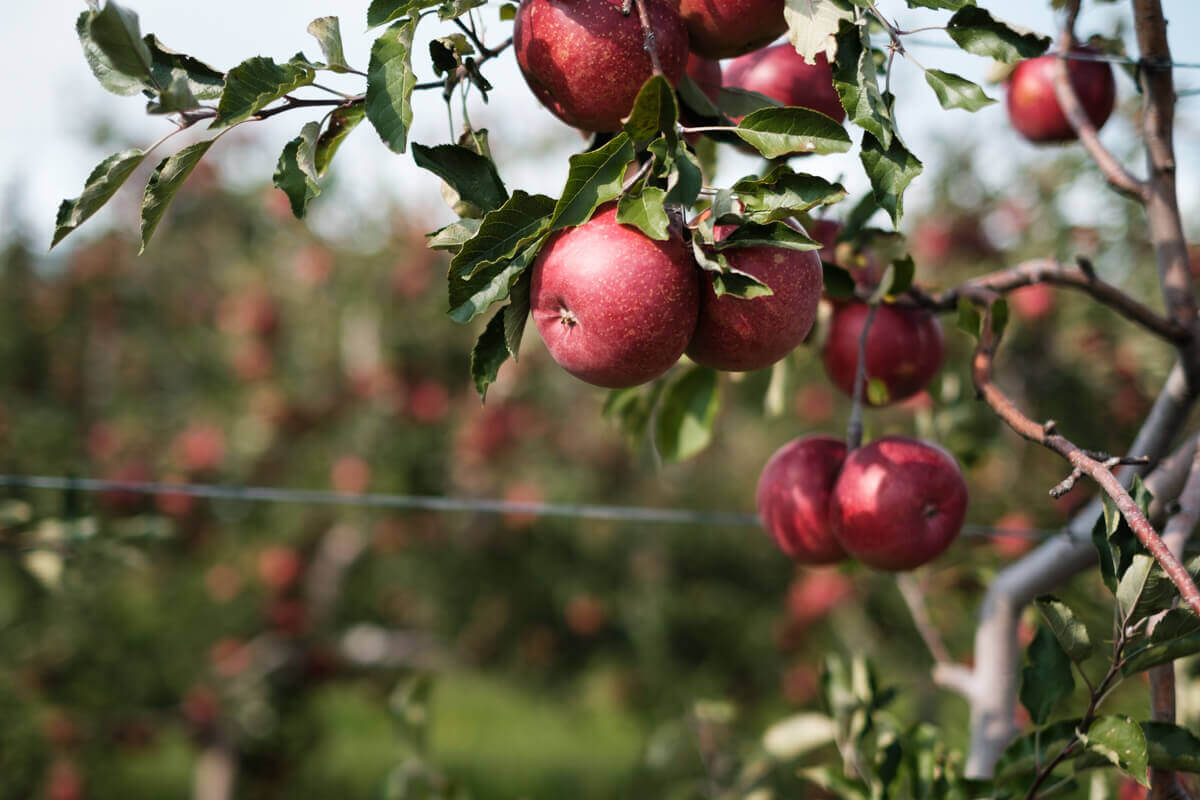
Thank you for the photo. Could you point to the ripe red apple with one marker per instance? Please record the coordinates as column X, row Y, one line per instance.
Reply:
column 898, row 503
column 1013, row 545
column 728, row 28
column 200, row 448
column 584, row 59
column 614, row 307
column 904, row 348
column 1033, row 108
column 782, row 74
column 815, row 593
column 1032, row 303
column 740, row 334
column 279, row 567
column 793, row 496
column 706, row 73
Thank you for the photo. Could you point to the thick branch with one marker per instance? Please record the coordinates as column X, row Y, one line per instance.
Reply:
column 1074, row 276
column 1118, row 177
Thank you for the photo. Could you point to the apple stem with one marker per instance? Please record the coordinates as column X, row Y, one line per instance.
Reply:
column 648, row 35
column 854, row 429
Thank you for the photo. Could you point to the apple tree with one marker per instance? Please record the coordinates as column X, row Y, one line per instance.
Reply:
column 640, row 262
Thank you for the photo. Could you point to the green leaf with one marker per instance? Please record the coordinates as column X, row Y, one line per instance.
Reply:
column 1130, row 586
column 976, row 31
column 812, row 25
column 695, row 100
column 491, row 284
column 687, row 414
column 256, row 83
column 951, row 5
column 296, row 171
column 735, row 102
column 342, row 121
column 390, row 82
column 515, row 315
column 776, row 132
column 645, row 211
column 839, row 284
column 999, row 310
column 1156, row 653
column 954, row 91
column 631, row 409
column 455, row 235
column 114, row 30
column 654, row 112
column 99, row 188
column 771, row 234
column 903, row 270
column 682, row 170
column 785, row 193
column 858, row 86
column 508, row 12
column 1071, row 633
column 473, row 176
column 328, row 33
column 489, row 354
column 890, row 171
column 969, row 320
column 877, row 392
column 164, row 184
column 176, row 97
column 594, row 177
column 1171, row 747
column 1115, row 540
column 205, row 82
column 504, row 231
column 1028, row 752
column 381, row 12
column 1120, row 740
column 102, row 67
column 1046, row 675
column 452, row 9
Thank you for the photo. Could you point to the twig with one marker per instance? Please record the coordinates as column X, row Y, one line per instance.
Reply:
column 294, row 103
column 914, row 598
column 648, row 36
column 854, row 430
column 1118, row 177
column 461, row 73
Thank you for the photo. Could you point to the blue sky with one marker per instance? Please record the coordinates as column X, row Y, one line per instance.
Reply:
column 46, row 155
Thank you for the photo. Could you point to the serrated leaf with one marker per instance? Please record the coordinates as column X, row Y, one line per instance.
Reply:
column 687, row 414
column 813, row 25
column 890, row 171
column 503, row 232
column 114, row 30
column 771, row 234
column 735, row 283
column 839, row 284
column 256, row 83
column 102, row 67
column 452, row 9
column 857, row 84
column 1157, row 653
column 516, row 313
column 681, row 169
column 452, row 237
column 976, row 31
column 176, row 97
column 342, row 121
column 491, row 284
column 296, row 170
column 735, row 102
column 390, row 82
column 1130, row 586
column 1171, row 747
column 646, row 211
column 489, row 354
column 594, row 177
column 785, row 193
column 776, row 132
column 1046, row 676
column 473, row 176
column 165, row 183
column 381, row 12
column 205, row 82
column 1115, row 541
column 954, row 91
column 654, row 112
column 328, row 33
column 99, row 188
column 1120, row 740
column 1071, row 633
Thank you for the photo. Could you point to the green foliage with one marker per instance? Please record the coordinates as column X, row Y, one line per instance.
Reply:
column 390, row 82
column 165, row 182
column 1046, row 676
column 101, row 185
column 296, row 172
column 256, row 83
column 687, row 413
column 776, row 132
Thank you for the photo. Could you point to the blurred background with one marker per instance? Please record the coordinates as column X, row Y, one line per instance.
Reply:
column 150, row 645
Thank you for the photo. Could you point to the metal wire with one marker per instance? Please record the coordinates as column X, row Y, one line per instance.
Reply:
column 1111, row 59
column 257, row 494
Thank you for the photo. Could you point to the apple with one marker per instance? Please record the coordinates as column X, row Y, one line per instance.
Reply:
column 707, row 74
column 728, row 28
column 1033, row 108
column 740, row 334
column 200, row 448
column 614, row 307
column 793, row 495
column 782, row 74
column 816, row 593
column 898, row 503
column 585, row 60
column 904, row 348
column 1032, row 303
column 350, row 475
column 1013, row 545
column 279, row 567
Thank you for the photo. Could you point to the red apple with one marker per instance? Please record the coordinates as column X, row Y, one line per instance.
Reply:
column 739, row 334
column 350, row 475
column 1032, row 303
column 898, row 503
column 585, row 60
column 279, row 567
column 904, row 348
column 1033, row 108
column 728, row 28
column 782, row 74
column 815, row 593
column 200, row 448
column 1018, row 543
column 793, row 498
column 614, row 307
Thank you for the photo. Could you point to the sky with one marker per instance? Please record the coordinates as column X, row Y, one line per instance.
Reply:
column 57, row 105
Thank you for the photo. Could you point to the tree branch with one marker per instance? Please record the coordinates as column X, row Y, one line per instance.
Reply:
column 648, row 36
column 1118, row 177
column 854, row 429
column 914, row 598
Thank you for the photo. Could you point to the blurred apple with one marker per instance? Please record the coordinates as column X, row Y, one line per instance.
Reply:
column 350, row 475
column 815, row 403
column 815, row 593
column 117, row 501
column 313, row 264
column 200, row 706
column 800, row 684
column 586, row 614
column 175, row 504
column 428, row 402
column 200, row 447
column 1011, row 546
column 521, row 492
column 288, row 617
column 1032, row 303
column 279, row 567
column 64, row 782
column 223, row 582
column 229, row 657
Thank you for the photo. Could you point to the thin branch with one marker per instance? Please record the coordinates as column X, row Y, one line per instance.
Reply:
column 1118, row 177
column 914, row 598
column 1074, row 276
column 854, row 430
column 462, row 73
column 292, row 104
column 648, row 36
column 1046, row 436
